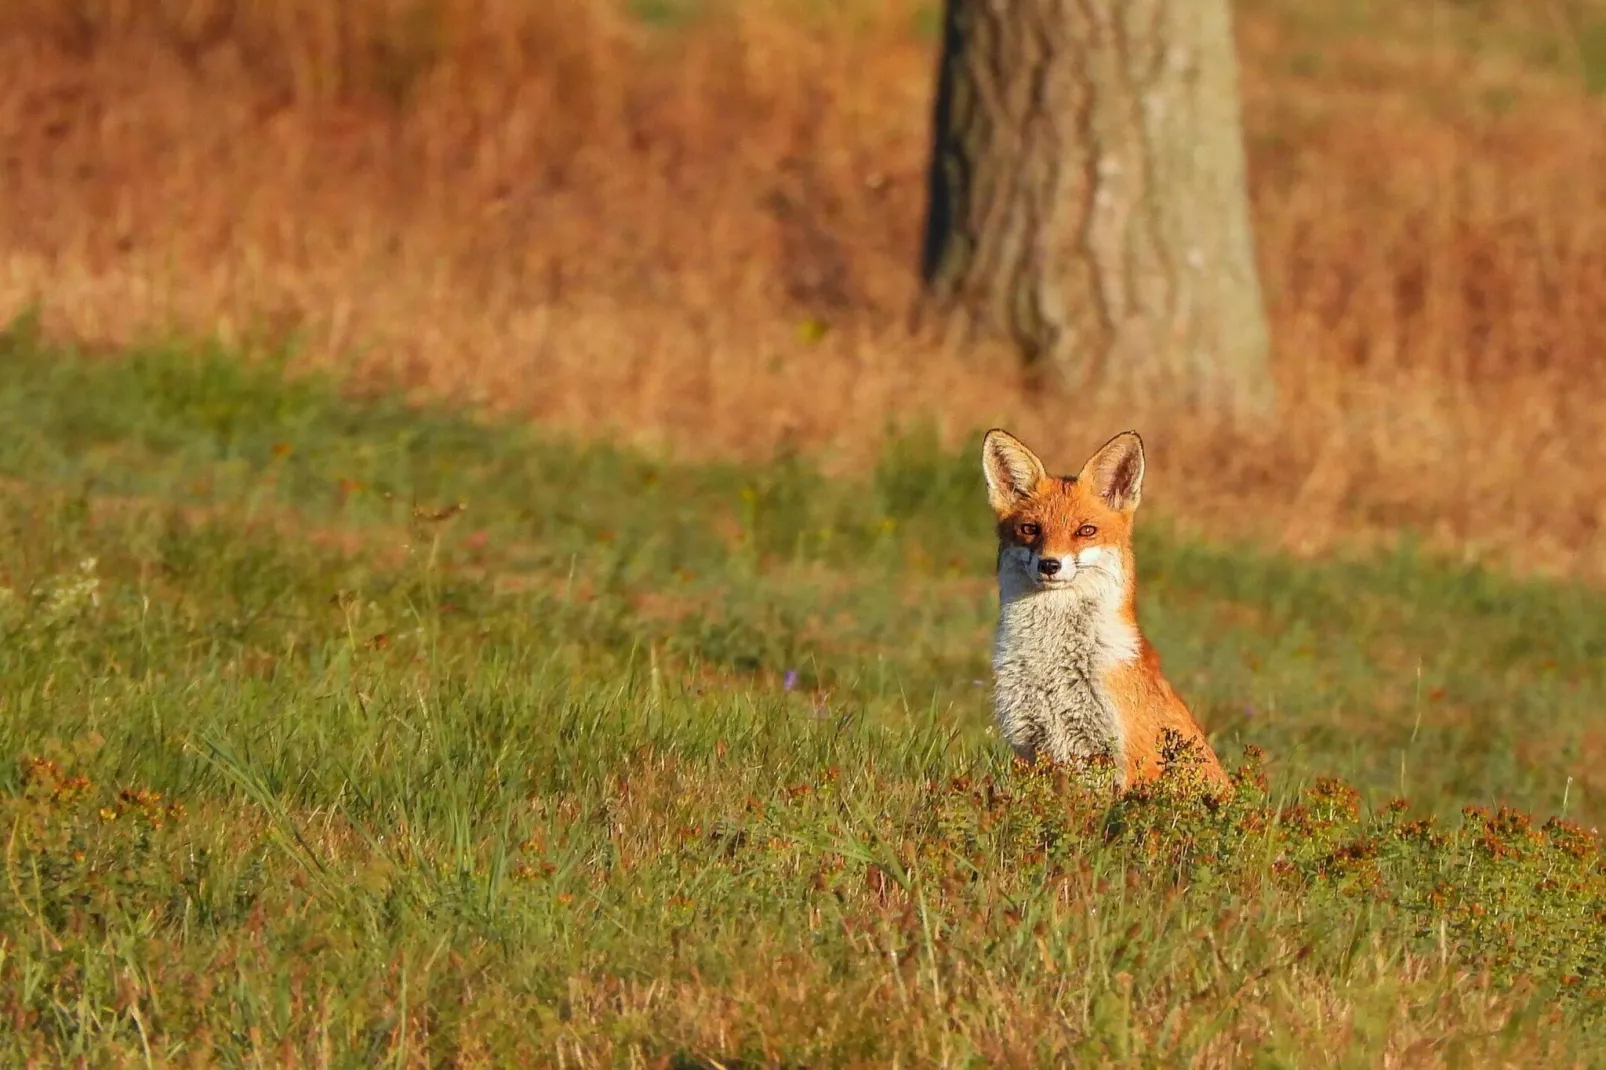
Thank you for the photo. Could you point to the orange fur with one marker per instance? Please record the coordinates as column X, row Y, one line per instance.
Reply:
column 1072, row 664
column 1150, row 705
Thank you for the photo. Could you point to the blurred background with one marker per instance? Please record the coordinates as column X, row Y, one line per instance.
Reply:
column 694, row 227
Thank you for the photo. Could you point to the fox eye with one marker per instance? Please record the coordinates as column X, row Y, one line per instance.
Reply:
column 1086, row 531
column 1029, row 530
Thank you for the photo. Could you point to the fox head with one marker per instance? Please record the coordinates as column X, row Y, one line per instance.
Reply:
column 1064, row 533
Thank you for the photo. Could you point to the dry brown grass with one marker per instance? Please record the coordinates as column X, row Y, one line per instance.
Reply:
column 615, row 230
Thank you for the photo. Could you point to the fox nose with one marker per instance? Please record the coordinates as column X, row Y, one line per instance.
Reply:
column 1049, row 566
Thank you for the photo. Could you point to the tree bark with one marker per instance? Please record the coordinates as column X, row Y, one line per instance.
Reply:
column 1088, row 199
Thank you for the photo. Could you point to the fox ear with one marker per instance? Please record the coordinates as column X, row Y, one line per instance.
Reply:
column 1013, row 471
column 1115, row 472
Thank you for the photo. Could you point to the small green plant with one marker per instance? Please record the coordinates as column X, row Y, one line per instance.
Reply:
column 927, row 21
column 1591, row 44
column 665, row 13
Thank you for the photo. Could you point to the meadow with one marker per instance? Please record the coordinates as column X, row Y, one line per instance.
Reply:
column 491, row 573
column 341, row 732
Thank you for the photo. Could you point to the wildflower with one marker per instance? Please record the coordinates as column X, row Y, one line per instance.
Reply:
column 67, row 597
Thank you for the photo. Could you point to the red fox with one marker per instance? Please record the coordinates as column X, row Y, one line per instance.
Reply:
column 1074, row 676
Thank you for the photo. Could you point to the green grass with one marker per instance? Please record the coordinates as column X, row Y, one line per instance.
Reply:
column 629, row 760
column 665, row 13
column 1561, row 38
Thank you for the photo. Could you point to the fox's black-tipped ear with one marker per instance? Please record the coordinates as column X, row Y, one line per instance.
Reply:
column 1013, row 471
column 1115, row 472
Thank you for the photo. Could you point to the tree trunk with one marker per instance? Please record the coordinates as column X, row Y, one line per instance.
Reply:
column 1087, row 196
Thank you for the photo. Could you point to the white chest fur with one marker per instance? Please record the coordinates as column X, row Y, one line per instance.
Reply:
column 1051, row 653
